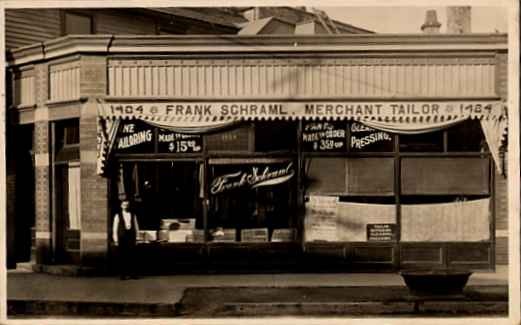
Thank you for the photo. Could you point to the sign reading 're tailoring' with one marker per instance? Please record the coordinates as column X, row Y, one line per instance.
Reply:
column 289, row 110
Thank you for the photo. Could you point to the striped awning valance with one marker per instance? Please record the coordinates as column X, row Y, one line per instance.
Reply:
column 402, row 117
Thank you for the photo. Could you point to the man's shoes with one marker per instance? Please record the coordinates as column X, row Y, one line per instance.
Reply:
column 124, row 277
column 134, row 277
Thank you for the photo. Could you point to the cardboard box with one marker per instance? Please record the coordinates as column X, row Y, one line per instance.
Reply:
column 284, row 235
column 175, row 224
column 197, row 236
column 228, row 235
column 176, row 236
column 254, row 235
column 150, row 235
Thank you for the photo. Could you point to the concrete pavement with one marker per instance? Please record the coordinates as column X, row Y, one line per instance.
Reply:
column 168, row 291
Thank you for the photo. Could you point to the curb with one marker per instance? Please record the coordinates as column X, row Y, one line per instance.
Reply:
column 31, row 308
column 396, row 308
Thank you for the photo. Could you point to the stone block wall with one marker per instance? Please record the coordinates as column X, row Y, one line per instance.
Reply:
column 94, row 188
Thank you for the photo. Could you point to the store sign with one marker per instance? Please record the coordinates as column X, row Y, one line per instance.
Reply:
column 174, row 142
column 134, row 136
column 363, row 136
column 225, row 111
column 324, row 136
column 381, row 232
column 256, row 177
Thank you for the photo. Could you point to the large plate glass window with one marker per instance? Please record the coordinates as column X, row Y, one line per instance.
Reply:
column 253, row 202
column 166, row 197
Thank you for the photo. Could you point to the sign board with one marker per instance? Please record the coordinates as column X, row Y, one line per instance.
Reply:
column 381, row 232
column 187, row 113
column 320, row 221
column 135, row 137
column 364, row 138
column 250, row 177
column 324, row 136
column 174, row 142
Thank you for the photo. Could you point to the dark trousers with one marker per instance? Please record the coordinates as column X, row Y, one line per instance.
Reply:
column 126, row 252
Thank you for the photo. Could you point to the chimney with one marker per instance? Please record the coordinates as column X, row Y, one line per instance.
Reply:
column 431, row 25
column 458, row 20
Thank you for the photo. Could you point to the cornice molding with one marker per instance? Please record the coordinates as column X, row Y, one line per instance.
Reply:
column 253, row 44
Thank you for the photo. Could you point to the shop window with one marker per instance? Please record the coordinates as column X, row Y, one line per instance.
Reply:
column 341, row 219
column 455, row 218
column 237, row 139
column 75, row 23
column 275, row 136
column 423, row 142
column 325, row 176
column 466, row 136
column 166, row 197
column 252, row 203
column 74, row 197
column 68, row 133
column 365, row 139
column 324, row 136
column 67, row 139
column 445, row 176
column 349, row 176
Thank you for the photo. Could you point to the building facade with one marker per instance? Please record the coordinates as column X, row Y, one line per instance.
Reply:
column 254, row 152
column 25, row 27
column 287, row 152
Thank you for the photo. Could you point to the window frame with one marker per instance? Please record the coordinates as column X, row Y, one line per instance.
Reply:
column 63, row 20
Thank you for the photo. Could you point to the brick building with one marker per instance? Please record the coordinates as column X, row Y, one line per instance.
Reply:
column 99, row 117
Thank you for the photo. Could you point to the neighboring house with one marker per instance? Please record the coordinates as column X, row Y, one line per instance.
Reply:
column 29, row 26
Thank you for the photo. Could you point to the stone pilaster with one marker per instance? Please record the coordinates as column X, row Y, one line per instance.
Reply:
column 42, row 151
column 94, row 188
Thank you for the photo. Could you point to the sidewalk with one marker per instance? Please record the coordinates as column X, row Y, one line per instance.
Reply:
column 166, row 293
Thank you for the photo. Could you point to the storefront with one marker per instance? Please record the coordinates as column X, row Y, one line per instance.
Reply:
column 277, row 153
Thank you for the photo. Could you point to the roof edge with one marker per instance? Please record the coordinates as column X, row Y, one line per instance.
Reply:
column 179, row 44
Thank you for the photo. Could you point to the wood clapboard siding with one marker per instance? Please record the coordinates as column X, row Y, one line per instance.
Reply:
column 117, row 23
column 28, row 26
column 24, row 89
column 502, row 75
column 64, row 81
column 350, row 77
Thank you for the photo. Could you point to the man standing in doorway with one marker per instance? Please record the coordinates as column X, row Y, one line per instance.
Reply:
column 124, row 232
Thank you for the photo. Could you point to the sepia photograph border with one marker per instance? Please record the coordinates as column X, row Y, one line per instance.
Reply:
column 512, row 7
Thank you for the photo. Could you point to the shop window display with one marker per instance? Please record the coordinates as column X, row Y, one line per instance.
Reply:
column 466, row 136
column 235, row 139
column 423, row 142
column 446, row 198
column 275, row 136
column 252, row 203
column 166, row 199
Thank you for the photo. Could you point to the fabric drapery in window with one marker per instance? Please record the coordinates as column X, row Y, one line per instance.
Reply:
column 74, row 197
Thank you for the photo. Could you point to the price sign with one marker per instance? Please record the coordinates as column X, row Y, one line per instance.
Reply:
column 324, row 136
column 173, row 142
